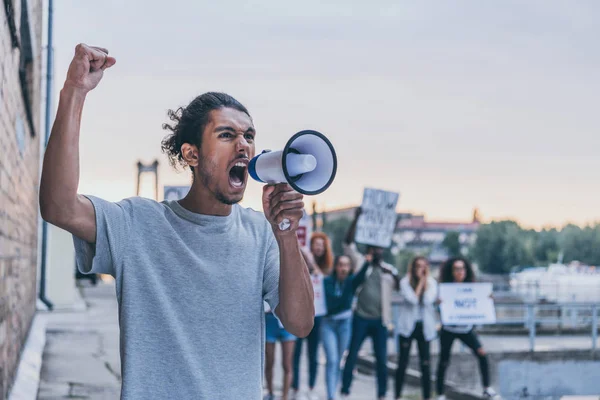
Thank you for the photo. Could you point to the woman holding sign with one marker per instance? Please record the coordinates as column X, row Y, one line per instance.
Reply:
column 320, row 262
column 459, row 270
column 416, row 321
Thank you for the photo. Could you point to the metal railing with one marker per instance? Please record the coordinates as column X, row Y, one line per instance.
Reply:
column 559, row 315
column 557, row 291
column 534, row 315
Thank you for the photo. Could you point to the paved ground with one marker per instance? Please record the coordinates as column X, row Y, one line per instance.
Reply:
column 363, row 386
column 81, row 357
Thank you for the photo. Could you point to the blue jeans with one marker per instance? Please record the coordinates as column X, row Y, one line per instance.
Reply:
column 335, row 334
column 361, row 328
column 313, row 346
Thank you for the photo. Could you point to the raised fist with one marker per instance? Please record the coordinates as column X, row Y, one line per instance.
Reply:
column 87, row 67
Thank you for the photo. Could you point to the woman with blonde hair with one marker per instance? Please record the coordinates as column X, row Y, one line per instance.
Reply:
column 416, row 321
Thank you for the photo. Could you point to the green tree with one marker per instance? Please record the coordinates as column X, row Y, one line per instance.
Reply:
column 452, row 244
column 336, row 230
column 402, row 259
column 501, row 246
column 581, row 244
column 571, row 242
column 546, row 246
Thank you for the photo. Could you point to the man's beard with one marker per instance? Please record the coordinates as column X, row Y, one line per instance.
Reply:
column 209, row 181
column 221, row 197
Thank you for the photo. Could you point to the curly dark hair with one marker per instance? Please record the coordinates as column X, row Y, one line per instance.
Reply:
column 446, row 270
column 189, row 123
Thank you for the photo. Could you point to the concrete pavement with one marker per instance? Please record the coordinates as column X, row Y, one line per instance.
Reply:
column 81, row 356
column 363, row 384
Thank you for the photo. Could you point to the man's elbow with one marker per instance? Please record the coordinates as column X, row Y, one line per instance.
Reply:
column 48, row 211
column 55, row 211
column 301, row 329
column 300, row 326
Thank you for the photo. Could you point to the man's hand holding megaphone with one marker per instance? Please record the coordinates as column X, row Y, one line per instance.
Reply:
column 306, row 165
column 281, row 202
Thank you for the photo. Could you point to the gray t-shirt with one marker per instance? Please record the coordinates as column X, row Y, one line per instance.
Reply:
column 190, row 290
column 368, row 303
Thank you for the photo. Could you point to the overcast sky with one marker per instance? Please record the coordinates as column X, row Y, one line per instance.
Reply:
column 455, row 105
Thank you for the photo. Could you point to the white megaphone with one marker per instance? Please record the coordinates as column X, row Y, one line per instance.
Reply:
column 307, row 163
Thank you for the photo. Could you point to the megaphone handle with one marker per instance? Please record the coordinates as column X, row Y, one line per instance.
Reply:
column 284, row 225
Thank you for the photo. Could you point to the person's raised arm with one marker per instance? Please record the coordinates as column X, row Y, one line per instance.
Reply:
column 352, row 229
column 359, row 278
column 309, row 259
column 60, row 204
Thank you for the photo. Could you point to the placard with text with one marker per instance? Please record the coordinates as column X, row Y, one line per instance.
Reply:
column 377, row 222
column 467, row 304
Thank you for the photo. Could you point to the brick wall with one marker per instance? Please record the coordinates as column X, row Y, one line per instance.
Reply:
column 19, row 171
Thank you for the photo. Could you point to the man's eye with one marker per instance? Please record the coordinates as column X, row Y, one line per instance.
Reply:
column 249, row 137
column 226, row 135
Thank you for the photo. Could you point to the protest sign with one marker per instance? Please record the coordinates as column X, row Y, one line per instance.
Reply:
column 467, row 304
column 377, row 222
column 319, row 291
column 304, row 230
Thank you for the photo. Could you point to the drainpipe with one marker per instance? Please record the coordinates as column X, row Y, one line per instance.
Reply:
column 42, row 291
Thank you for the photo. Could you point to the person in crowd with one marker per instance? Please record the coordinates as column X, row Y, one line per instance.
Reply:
column 276, row 332
column 416, row 321
column 320, row 262
column 459, row 270
column 373, row 286
column 336, row 326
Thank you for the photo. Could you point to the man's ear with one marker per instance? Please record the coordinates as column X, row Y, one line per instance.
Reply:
column 189, row 153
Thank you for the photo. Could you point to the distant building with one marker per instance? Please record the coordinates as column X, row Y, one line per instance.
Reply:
column 415, row 233
column 420, row 236
column 340, row 213
column 20, row 133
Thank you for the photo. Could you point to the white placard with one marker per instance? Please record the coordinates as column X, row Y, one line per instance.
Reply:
column 304, row 230
column 467, row 304
column 319, row 291
column 377, row 221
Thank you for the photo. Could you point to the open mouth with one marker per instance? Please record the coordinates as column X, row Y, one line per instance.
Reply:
column 237, row 174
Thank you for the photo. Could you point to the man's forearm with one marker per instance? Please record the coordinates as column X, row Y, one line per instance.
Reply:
column 296, row 298
column 60, row 172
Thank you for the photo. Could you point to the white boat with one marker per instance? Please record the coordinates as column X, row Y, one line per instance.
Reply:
column 558, row 283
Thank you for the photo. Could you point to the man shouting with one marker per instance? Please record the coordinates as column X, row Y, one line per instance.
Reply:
column 191, row 275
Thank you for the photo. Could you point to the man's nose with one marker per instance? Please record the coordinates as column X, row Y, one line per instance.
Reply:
column 242, row 145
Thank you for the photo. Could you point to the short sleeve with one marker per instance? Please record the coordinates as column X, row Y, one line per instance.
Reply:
column 271, row 275
column 112, row 230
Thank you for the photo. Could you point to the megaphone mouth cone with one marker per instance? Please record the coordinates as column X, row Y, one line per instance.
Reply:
column 294, row 181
